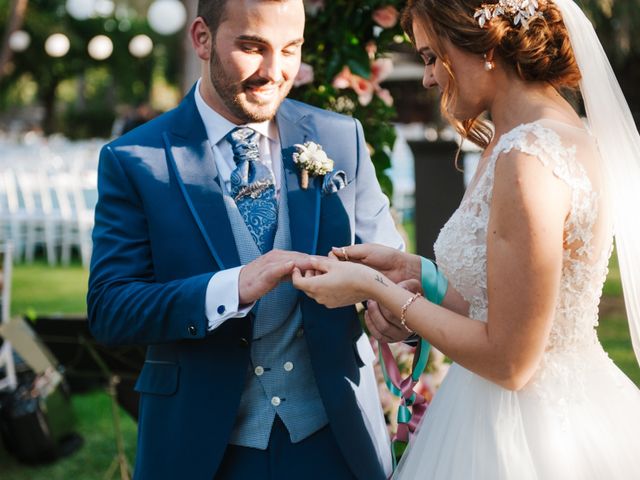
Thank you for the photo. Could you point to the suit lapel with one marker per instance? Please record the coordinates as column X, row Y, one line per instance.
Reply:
column 190, row 155
column 304, row 205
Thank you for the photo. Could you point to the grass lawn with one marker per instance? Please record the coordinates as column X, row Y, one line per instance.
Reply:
column 39, row 289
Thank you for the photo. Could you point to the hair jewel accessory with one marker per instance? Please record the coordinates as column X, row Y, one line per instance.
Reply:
column 520, row 11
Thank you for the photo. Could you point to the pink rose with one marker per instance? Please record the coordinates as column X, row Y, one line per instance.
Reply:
column 385, row 96
column 305, row 75
column 343, row 79
column 366, row 89
column 386, row 17
column 363, row 88
column 381, row 68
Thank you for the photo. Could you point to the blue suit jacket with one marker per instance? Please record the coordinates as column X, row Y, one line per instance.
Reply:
column 161, row 231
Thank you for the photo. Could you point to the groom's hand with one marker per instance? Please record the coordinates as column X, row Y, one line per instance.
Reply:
column 263, row 274
column 381, row 323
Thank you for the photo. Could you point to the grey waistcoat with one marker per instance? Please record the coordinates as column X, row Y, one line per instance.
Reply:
column 280, row 379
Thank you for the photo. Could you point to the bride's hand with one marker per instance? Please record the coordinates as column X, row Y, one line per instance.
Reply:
column 332, row 283
column 397, row 266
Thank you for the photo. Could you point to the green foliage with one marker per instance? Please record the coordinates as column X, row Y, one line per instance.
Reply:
column 93, row 121
column 343, row 33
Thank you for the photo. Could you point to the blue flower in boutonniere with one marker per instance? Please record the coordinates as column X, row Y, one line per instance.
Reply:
column 312, row 160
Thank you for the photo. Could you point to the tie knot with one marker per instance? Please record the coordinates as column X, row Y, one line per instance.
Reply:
column 244, row 143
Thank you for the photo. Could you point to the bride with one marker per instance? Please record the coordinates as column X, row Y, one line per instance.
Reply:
column 531, row 393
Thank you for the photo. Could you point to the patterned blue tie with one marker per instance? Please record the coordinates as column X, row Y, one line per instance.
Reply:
column 253, row 188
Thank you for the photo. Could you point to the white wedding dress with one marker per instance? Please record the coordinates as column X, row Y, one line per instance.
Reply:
column 579, row 416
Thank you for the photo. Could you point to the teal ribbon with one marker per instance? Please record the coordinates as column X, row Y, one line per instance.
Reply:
column 401, row 388
column 434, row 284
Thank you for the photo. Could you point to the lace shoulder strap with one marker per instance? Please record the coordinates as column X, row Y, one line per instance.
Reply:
column 546, row 145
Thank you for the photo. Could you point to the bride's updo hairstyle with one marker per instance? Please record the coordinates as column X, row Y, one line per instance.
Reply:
column 538, row 51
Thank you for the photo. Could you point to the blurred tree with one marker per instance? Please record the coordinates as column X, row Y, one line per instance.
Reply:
column 617, row 23
column 347, row 42
column 128, row 78
column 190, row 63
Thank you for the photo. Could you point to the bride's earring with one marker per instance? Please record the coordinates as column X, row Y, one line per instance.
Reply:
column 488, row 64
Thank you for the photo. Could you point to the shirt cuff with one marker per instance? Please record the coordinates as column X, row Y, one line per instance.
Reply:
column 222, row 297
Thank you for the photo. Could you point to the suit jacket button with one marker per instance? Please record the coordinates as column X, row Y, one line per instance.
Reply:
column 243, row 342
column 192, row 330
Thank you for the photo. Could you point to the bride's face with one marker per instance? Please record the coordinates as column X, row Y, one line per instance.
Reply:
column 458, row 74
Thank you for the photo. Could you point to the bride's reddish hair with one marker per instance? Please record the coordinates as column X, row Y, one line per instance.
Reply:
column 539, row 53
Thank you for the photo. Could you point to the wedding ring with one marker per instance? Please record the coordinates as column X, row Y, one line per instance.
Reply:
column 344, row 254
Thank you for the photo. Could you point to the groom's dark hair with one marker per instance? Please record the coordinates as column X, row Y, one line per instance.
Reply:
column 213, row 11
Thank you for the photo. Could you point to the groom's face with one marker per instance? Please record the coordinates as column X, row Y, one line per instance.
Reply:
column 255, row 58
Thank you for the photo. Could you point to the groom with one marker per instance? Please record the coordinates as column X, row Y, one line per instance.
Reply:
column 201, row 215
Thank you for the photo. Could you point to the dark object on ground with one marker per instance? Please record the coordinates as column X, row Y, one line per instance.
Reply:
column 38, row 429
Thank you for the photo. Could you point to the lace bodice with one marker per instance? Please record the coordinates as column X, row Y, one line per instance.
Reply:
column 461, row 248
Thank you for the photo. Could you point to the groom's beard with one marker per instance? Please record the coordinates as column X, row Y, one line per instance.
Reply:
column 233, row 93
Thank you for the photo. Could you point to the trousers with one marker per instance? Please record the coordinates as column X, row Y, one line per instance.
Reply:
column 317, row 457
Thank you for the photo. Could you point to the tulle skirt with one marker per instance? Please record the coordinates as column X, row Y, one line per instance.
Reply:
column 579, row 418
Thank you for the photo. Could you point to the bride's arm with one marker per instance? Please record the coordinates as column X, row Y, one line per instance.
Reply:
column 524, row 262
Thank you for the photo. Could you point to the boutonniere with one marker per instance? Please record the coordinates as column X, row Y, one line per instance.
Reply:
column 312, row 160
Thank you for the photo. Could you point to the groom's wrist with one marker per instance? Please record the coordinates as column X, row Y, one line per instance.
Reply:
column 413, row 267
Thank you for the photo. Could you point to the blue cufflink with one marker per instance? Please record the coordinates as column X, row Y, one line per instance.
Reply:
column 221, row 309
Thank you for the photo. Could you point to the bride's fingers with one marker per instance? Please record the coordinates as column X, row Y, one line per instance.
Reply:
column 341, row 253
column 303, row 282
column 297, row 279
column 295, row 275
column 353, row 253
column 321, row 264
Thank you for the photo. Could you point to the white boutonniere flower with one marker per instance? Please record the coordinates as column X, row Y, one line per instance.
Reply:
column 312, row 160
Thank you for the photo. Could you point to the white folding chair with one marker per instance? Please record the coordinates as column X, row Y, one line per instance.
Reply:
column 85, row 198
column 43, row 226
column 8, row 380
column 16, row 215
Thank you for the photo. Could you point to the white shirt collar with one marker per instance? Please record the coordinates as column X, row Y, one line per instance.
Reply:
column 218, row 127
